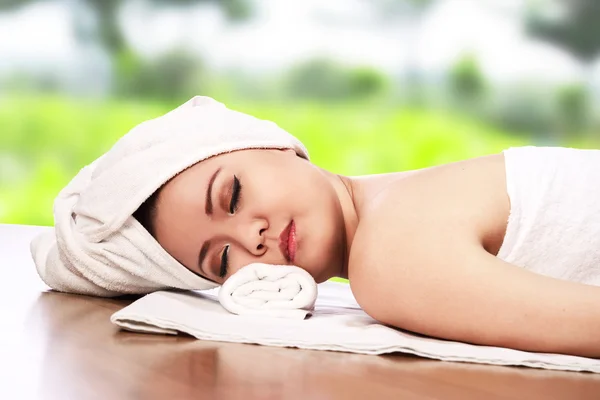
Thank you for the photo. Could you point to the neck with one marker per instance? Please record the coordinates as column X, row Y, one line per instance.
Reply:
column 355, row 194
column 349, row 200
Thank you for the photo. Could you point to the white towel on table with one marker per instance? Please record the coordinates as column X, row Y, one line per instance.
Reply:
column 281, row 291
column 337, row 323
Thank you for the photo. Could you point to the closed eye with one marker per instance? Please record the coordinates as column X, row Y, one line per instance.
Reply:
column 236, row 194
column 224, row 262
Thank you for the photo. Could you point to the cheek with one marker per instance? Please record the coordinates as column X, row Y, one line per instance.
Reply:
column 235, row 266
column 327, row 227
column 277, row 192
column 322, row 245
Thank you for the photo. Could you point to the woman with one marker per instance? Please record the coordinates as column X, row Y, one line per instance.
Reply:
column 429, row 250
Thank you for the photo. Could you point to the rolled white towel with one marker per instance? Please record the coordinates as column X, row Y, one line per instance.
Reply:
column 280, row 291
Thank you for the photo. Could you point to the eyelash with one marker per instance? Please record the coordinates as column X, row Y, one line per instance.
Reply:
column 233, row 205
column 235, row 197
column 223, row 270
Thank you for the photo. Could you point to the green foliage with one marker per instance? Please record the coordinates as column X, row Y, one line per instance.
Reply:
column 523, row 109
column 366, row 81
column 576, row 29
column 573, row 107
column 46, row 140
column 324, row 79
column 234, row 10
column 467, row 81
column 174, row 75
column 551, row 114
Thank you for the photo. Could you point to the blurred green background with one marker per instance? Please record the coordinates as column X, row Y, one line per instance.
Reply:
column 369, row 86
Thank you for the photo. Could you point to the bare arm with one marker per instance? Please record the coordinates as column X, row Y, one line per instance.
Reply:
column 442, row 283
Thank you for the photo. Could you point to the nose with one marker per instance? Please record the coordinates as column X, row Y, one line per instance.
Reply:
column 252, row 236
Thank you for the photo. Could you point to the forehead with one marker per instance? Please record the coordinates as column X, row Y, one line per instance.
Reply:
column 229, row 158
column 188, row 188
column 195, row 179
column 192, row 179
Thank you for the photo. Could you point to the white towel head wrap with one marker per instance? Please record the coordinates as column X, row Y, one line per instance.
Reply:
column 96, row 246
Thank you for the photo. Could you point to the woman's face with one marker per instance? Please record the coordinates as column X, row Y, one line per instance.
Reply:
column 238, row 208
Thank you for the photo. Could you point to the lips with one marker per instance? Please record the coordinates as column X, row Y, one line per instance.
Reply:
column 287, row 241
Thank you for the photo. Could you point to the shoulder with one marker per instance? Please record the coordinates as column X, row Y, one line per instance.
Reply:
column 429, row 216
column 443, row 202
column 418, row 262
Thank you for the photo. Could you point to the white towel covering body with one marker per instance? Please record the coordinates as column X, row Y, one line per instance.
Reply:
column 554, row 223
column 280, row 291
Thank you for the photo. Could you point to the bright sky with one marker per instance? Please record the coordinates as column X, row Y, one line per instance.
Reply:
column 286, row 31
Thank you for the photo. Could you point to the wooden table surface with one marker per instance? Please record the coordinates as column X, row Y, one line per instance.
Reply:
column 60, row 346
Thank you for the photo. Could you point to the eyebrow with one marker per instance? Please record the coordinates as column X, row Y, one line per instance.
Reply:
column 209, row 210
column 209, row 205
